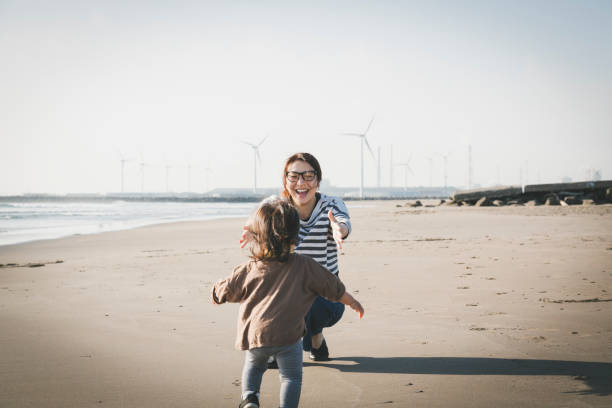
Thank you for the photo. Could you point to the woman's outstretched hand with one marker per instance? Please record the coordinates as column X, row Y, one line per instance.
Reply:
column 339, row 229
column 246, row 236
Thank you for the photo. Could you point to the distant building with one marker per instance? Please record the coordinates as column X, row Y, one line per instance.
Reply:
column 596, row 175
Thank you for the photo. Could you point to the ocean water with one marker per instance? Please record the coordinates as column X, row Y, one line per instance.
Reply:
column 30, row 221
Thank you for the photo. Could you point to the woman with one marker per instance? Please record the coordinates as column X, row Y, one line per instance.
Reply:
column 324, row 224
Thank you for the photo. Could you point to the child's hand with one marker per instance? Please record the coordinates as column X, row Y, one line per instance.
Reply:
column 356, row 306
column 246, row 236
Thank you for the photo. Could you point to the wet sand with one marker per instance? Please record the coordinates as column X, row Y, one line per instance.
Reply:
column 465, row 307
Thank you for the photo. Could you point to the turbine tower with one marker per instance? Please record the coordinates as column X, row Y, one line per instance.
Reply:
column 168, row 167
column 445, row 157
column 406, row 166
column 430, row 160
column 189, row 166
column 206, row 170
column 378, row 169
column 123, row 160
column 470, row 169
column 256, row 157
column 142, row 165
column 391, row 167
column 363, row 138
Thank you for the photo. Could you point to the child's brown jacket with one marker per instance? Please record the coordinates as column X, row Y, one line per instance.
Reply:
column 274, row 297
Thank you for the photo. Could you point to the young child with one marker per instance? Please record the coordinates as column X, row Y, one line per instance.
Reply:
column 275, row 289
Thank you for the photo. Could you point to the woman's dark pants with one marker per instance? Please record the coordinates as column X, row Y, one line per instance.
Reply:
column 322, row 313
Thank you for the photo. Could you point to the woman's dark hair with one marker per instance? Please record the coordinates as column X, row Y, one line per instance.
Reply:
column 305, row 157
column 274, row 226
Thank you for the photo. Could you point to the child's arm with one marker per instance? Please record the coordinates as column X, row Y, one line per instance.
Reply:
column 230, row 289
column 353, row 303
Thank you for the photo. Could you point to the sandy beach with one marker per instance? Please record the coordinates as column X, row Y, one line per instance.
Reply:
column 465, row 307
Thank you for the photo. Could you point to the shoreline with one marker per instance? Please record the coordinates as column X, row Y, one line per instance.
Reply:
column 428, row 204
column 26, row 222
column 126, row 228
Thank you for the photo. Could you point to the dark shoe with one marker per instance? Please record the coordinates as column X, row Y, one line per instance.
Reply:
column 251, row 401
column 272, row 364
column 320, row 354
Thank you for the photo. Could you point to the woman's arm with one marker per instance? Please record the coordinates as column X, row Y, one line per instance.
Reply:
column 339, row 229
column 246, row 236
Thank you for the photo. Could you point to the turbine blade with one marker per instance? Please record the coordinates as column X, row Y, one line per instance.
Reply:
column 258, row 156
column 369, row 148
column 248, row 143
column 370, row 124
column 263, row 140
column 352, row 134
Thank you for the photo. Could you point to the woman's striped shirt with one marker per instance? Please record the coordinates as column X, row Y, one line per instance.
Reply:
column 315, row 238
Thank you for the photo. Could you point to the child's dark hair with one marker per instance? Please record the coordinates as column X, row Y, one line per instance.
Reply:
column 274, row 226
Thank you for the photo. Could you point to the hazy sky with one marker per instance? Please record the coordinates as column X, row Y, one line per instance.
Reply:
column 527, row 83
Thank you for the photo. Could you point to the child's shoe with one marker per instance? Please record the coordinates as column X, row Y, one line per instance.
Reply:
column 320, row 354
column 251, row 401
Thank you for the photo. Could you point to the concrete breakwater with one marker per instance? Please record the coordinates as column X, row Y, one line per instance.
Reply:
column 579, row 193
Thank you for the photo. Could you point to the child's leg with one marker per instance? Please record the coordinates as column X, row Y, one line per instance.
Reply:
column 290, row 372
column 255, row 364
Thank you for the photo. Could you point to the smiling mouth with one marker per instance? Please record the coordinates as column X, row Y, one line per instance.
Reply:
column 302, row 193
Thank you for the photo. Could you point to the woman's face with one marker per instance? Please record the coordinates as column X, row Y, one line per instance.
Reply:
column 302, row 192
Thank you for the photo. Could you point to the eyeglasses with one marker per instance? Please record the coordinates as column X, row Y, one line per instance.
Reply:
column 294, row 176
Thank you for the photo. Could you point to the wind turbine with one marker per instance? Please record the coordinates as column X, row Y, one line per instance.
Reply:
column 142, row 165
column 206, row 170
column 363, row 138
column 430, row 159
column 256, row 157
column 378, row 168
column 406, row 166
column 168, row 167
column 445, row 157
column 189, row 167
column 470, row 168
column 123, row 160
column 391, row 166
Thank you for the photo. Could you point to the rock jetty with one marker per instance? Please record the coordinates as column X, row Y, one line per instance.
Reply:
column 564, row 194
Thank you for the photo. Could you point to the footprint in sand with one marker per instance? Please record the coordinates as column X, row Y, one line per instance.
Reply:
column 463, row 287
